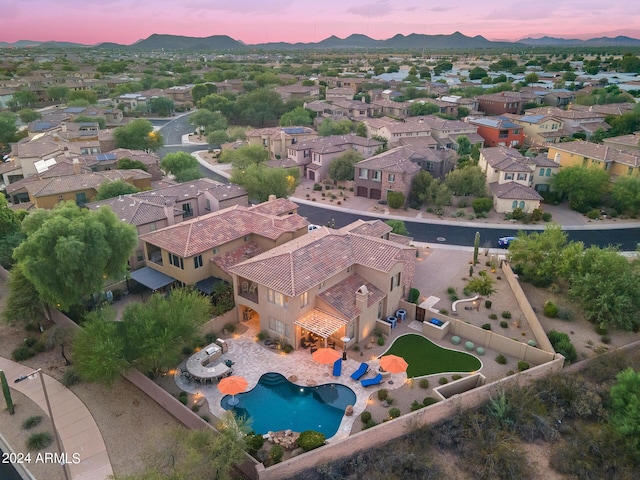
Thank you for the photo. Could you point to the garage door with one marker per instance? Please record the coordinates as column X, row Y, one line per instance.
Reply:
column 375, row 194
column 361, row 192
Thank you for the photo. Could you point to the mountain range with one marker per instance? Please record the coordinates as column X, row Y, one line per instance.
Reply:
column 356, row 41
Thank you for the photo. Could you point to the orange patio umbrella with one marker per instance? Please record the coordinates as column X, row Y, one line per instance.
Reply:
column 231, row 386
column 393, row 364
column 326, row 355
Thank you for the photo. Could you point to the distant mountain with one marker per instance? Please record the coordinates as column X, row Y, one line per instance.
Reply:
column 178, row 42
column 620, row 40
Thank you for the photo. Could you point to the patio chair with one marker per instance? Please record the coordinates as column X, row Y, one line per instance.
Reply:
column 372, row 381
column 361, row 371
column 337, row 367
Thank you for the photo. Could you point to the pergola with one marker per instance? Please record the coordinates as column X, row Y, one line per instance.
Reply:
column 321, row 323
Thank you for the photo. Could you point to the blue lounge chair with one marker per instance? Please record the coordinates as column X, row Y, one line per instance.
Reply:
column 337, row 367
column 361, row 371
column 372, row 381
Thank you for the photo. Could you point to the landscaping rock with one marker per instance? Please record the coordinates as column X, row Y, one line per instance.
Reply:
column 349, row 410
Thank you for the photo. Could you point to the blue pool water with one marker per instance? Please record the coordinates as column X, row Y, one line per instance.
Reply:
column 436, row 322
column 277, row 404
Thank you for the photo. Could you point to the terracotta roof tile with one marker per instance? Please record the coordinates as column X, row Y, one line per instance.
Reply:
column 342, row 296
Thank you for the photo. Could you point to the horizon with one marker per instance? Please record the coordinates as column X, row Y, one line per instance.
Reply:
column 255, row 22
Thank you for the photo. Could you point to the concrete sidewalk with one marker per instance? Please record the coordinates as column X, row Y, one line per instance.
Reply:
column 79, row 433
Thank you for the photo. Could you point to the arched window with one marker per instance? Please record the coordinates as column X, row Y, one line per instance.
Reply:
column 514, row 204
column 522, row 204
column 541, row 172
column 548, row 174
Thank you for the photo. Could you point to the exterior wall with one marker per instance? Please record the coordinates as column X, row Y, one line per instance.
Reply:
column 502, row 205
column 493, row 107
column 620, row 169
column 492, row 136
column 543, row 179
column 51, row 201
column 401, row 183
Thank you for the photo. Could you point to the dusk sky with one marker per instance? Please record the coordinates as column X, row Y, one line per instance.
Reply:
column 260, row 21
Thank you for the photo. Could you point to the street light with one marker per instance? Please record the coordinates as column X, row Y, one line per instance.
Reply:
column 29, row 376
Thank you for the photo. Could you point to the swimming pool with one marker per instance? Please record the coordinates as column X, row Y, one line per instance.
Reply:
column 277, row 404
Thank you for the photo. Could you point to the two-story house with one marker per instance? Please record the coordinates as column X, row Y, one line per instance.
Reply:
column 392, row 170
column 200, row 251
column 574, row 121
column 498, row 131
column 612, row 160
column 447, row 132
column 502, row 102
column 326, row 283
column 276, row 140
column 539, row 130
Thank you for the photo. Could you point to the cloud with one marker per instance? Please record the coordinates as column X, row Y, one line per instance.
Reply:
column 441, row 9
column 375, row 9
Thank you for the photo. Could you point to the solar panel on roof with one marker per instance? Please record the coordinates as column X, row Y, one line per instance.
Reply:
column 75, row 109
column 294, row 130
column 105, row 156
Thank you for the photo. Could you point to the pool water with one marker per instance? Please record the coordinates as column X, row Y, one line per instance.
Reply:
column 277, row 404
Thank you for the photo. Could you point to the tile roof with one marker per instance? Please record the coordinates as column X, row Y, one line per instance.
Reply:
column 298, row 265
column 372, row 228
column 203, row 233
column 395, row 160
column 83, row 181
column 188, row 190
column 596, row 151
column 240, row 254
column 514, row 191
column 277, row 207
column 342, row 295
column 133, row 210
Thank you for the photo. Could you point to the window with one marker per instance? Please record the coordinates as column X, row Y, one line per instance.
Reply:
column 207, row 204
column 508, row 176
column 364, row 173
column 197, row 261
column 279, row 327
column 541, row 173
column 246, row 238
column 81, row 199
column 176, row 261
column 275, row 297
column 395, row 281
column 521, row 204
column 630, row 171
column 152, row 227
column 503, row 134
column 321, row 286
column 377, row 176
column 214, row 251
column 522, row 176
column 380, row 309
column 186, row 210
column 391, row 177
column 514, row 204
column 304, row 299
column 139, row 255
column 548, row 174
column 430, row 167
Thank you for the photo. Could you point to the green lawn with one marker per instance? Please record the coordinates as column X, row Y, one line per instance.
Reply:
column 426, row 358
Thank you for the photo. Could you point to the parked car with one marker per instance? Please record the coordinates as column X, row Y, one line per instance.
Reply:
column 504, row 242
column 312, row 227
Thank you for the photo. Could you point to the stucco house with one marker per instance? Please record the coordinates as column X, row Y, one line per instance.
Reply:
column 498, row 131
column 276, row 140
column 325, row 283
column 539, row 130
column 614, row 161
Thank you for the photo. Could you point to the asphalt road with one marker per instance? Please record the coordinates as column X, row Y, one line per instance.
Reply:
column 7, row 472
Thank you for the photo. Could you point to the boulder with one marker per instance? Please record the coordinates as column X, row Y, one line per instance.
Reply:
column 349, row 410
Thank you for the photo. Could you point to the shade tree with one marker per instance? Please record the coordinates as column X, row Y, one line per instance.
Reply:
column 584, row 187
column 115, row 188
column 261, row 181
column 138, row 135
column 342, row 167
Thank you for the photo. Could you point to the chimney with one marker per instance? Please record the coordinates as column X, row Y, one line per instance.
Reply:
column 64, row 126
column 362, row 295
column 66, row 152
column 76, row 167
column 168, row 212
column 272, row 198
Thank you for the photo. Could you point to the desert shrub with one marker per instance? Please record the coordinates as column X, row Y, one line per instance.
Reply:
column 183, row 396
column 443, row 381
column 429, row 401
column 365, row 416
column 187, row 350
column 22, row 353
column 381, row 340
column 501, row 359
column 536, row 215
column 606, row 339
column 486, row 326
column 40, row 440
column 443, row 311
column 493, row 316
column 230, row 327
column 523, row 366
column 369, row 424
column 546, row 216
column 506, row 314
column 451, row 290
column 310, row 439
column 32, row 421
column 593, row 214
column 562, row 344
column 504, row 324
column 262, row 335
column 287, row 348
column 550, row 309
column 456, row 377
column 565, row 314
column 424, row 383
column 601, row 329
column 416, row 406
column 29, row 342
column 195, row 407
column 394, row 412
column 317, row 187
column 210, row 338
column 383, row 394
column 70, row 377
column 276, row 453
column 395, row 199
column 482, row 204
column 254, row 442
column 487, row 304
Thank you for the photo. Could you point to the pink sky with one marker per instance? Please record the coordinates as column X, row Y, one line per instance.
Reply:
column 260, row 21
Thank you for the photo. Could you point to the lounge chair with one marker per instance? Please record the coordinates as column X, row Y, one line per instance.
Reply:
column 360, row 372
column 372, row 381
column 337, row 367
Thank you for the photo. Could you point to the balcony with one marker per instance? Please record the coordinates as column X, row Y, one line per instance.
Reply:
column 248, row 290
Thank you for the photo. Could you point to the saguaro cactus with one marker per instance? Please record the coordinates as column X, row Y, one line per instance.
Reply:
column 476, row 247
column 7, row 393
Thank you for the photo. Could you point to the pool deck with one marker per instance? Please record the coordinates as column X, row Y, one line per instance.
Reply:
column 252, row 360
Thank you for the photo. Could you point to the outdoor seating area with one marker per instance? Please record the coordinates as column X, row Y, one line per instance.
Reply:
column 207, row 366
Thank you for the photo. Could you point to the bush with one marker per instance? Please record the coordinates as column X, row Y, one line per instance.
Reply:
column 486, row 326
column 443, row 381
column 506, row 314
column 195, row 407
column 487, row 304
column 183, row 396
column 456, row 377
column 276, row 453
column 429, row 401
column 601, row 329
column 40, row 440
column 187, row 350
column 381, row 340
column 70, row 377
column 414, row 295
column 493, row 316
column 550, row 309
column 424, row 383
column 383, row 394
column 29, row 342
column 262, row 335
column 230, row 327
column 501, row 359
column 395, row 199
column 593, row 214
column 443, row 311
column 254, row 442
column 536, row 215
column 482, row 204
column 416, row 406
column 317, row 187
column 565, row 314
column 504, row 324
column 210, row 338
column 546, row 216
column 523, row 366
column 310, row 439
column 562, row 344
column 369, row 424
column 365, row 416
column 606, row 339
column 22, row 353
column 32, row 421
column 394, row 412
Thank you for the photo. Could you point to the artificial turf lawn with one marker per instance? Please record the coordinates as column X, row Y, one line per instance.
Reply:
column 426, row 358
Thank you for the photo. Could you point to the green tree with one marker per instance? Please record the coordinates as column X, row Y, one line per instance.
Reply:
column 583, row 186
column 114, row 189
column 217, row 137
column 298, row 116
column 207, row 120
column 181, row 165
column 88, row 96
column 260, row 107
column 69, row 251
column 361, row 130
column 245, row 156
column 423, row 108
column 624, row 409
column 426, row 190
column 138, row 135
column 331, row 127
column 162, row 106
column 477, row 73
column 23, row 304
column 483, row 284
column 28, row 115
column 464, row 145
column 56, row 93
column 218, row 103
column 260, row 181
column 395, row 199
column 342, row 167
column 199, row 91
column 531, row 78
column 8, row 127
column 25, row 98
column 625, row 195
column 398, row 227
column 128, row 164
column 466, row 181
